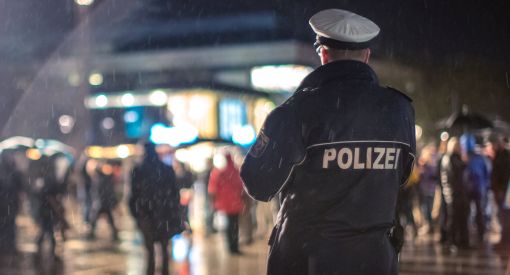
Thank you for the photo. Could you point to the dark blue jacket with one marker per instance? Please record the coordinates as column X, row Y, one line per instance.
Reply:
column 478, row 174
column 337, row 151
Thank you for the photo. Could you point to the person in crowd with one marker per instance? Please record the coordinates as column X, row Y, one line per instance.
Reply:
column 226, row 189
column 51, row 211
column 209, row 205
column 87, row 172
column 185, row 180
column 265, row 218
column 500, row 180
column 154, row 203
column 428, row 181
column 454, row 194
column 11, row 185
column 63, row 166
column 105, row 200
column 477, row 181
column 443, row 215
column 247, row 221
column 323, row 151
column 407, row 196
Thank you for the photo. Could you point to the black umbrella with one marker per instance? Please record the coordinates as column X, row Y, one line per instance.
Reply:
column 501, row 127
column 465, row 121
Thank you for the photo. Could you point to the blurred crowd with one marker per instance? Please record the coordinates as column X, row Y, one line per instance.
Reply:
column 458, row 194
column 156, row 189
column 459, row 190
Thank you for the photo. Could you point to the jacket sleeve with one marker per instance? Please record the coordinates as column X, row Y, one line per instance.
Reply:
column 278, row 148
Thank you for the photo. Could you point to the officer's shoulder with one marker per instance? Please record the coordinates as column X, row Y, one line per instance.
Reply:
column 399, row 93
column 299, row 96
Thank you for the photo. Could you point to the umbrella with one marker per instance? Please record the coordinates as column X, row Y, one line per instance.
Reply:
column 464, row 121
column 16, row 142
column 501, row 127
column 59, row 146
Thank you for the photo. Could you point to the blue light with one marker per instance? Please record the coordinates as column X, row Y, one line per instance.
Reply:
column 131, row 117
column 244, row 135
column 173, row 136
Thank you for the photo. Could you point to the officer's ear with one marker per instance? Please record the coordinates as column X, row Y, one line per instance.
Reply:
column 366, row 57
column 324, row 54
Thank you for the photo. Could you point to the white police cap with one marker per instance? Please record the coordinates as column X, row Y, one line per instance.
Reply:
column 343, row 29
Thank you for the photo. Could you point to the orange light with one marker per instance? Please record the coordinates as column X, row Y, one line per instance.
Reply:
column 33, row 154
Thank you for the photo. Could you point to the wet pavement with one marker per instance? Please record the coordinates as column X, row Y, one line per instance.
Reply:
column 209, row 256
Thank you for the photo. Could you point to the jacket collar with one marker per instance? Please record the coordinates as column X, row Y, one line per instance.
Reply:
column 341, row 70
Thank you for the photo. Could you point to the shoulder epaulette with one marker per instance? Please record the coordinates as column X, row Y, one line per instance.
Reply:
column 400, row 93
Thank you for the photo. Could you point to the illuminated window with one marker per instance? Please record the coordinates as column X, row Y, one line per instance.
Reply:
column 280, row 78
column 232, row 115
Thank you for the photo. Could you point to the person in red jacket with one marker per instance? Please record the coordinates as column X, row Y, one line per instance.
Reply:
column 226, row 190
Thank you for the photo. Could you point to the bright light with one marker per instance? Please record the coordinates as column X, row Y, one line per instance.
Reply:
column 101, row 101
column 173, row 136
column 418, row 131
column 33, row 154
column 182, row 155
column 445, row 136
column 186, row 133
column 244, row 135
column 180, row 247
column 96, row 79
column 199, row 107
column 160, row 134
column 131, row 116
column 108, row 123
column 66, row 123
column 158, row 98
column 197, row 156
column 84, row 2
column 280, row 78
column 219, row 161
column 123, row 151
column 127, row 99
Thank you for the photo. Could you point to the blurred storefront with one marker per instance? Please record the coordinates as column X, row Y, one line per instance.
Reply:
column 190, row 101
column 194, row 119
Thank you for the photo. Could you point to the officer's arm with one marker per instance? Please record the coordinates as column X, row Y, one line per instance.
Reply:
column 278, row 148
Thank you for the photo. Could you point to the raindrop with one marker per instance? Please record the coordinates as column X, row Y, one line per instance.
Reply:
column 507, row 80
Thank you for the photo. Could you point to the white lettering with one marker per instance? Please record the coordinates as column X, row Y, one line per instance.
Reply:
column 358, row 159
column 389, row 158
column 396, row 158
column 369, row 158
column 329, row 155
column 357, row 163
column 341, row 163
column 380, row 153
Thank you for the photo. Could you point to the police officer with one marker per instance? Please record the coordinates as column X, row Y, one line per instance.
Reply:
column 337, row 151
